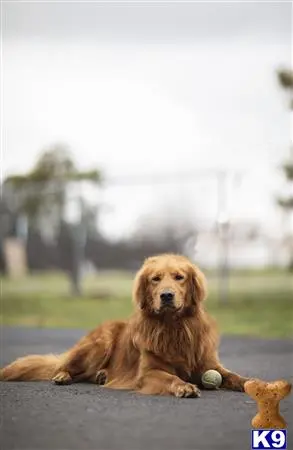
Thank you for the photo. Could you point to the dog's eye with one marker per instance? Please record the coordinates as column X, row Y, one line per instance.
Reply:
column 179, row 277
column 156, row 278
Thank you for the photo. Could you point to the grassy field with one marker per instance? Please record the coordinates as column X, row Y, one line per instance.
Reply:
column 259, row 304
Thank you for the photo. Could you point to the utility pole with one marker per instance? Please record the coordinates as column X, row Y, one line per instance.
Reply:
column 223, row 228
column 79, row 236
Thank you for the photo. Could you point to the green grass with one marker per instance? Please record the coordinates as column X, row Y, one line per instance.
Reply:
column 260, row 304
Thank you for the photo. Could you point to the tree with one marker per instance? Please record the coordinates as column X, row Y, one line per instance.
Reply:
column 285, row 78
column 41, row 195
column 44, row 187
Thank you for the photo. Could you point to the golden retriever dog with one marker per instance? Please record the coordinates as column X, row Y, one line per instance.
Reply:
column 164, row 347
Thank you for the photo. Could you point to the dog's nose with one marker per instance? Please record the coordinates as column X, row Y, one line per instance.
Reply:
column 167, row 297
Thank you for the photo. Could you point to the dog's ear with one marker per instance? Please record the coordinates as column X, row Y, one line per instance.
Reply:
column 140, row 289
column 197, row 285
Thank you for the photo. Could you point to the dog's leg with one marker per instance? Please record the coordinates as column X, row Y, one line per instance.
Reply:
column 159, row 378
column 231, row 380
column 158, row 382
column 62, row 377
column 101, row 377
column 74, row 367
column 82, row 363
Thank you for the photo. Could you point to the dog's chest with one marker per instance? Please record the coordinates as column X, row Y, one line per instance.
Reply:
column 177, row 345
column 178, row 350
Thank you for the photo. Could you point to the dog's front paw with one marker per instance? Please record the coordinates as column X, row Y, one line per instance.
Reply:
column 62, row 377
column 186, row 390
column 101, row 377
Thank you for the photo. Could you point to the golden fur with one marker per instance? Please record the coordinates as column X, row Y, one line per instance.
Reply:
column 159, row 350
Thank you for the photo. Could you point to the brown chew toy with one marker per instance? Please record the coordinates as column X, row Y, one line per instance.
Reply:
column 268, row 396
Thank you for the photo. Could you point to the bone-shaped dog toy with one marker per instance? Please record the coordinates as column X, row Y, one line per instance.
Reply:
column 268, row 396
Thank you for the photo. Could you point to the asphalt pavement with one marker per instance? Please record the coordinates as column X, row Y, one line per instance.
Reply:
column 39, row 415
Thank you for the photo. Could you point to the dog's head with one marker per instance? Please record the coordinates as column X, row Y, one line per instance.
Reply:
column 169, row 284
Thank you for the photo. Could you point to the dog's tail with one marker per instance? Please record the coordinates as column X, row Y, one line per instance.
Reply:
column 32, row 368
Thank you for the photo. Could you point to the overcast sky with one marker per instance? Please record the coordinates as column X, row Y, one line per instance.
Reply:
column 152, row 88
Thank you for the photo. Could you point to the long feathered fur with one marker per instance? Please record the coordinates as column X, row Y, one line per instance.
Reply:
column 32, row 368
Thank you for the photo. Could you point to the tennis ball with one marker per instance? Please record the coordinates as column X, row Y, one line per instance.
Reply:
column 211, row 379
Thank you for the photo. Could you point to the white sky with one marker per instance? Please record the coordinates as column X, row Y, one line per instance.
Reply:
column 145, row 88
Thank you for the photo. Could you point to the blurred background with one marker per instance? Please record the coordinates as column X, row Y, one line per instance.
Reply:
column 131, row 129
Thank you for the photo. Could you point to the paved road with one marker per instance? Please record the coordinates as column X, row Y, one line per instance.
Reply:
column 38, row 416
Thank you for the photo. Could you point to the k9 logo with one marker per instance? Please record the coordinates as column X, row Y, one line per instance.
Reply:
column 268, row 439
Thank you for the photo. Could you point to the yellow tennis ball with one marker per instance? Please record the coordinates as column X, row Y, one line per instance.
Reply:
column 211, row 379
